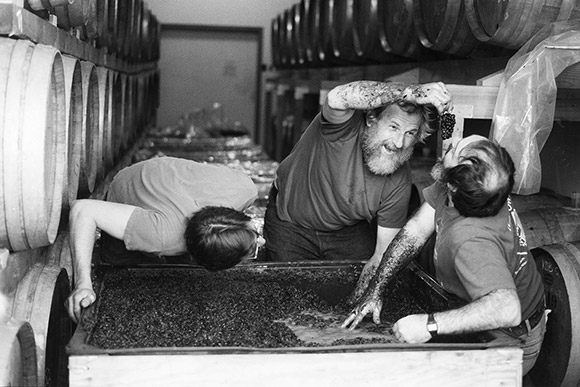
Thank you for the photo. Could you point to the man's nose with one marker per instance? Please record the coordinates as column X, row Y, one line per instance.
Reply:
column 399, row 139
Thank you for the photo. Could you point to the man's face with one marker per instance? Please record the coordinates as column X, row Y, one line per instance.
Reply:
column 388, row 141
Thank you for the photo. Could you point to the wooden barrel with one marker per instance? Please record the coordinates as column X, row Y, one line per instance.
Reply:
column 104, row 37
column 286, row 39
column 33, row 143
column 512, row 23
column 59, row 253
column 39, row 300
column 79, row 13
column 91, row 135
column 368, row 42
column 397, row 32
column 17, row 354
column 557, row 364
column 343, row 42
column 145, row 34
column 39, row 5
column 275, row 33
column 74, row 119
column 297, row 49
column 324, row 17
column 119, row 114
column 442, row 26
column 105, row 120
column 306, row 36
column 112, row 26
column 546, row 226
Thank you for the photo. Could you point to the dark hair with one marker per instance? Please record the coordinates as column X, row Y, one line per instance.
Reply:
column 429, row 114
column 481, row 183
column 219, row 237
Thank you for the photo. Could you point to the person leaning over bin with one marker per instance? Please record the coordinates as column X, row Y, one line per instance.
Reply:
column 480, row 255
column 163, row 210
column 348, row 169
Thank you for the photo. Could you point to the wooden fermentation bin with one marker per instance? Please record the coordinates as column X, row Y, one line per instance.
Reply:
column 495, row 360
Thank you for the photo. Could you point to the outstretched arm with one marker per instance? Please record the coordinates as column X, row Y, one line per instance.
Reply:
column 85, row 217
column 366, row 95
column 406, row 245
column 497, row 309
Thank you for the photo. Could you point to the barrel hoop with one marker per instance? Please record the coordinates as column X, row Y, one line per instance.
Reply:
column 553, row 225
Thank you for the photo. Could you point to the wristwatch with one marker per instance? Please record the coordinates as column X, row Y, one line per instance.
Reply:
column 432, row 326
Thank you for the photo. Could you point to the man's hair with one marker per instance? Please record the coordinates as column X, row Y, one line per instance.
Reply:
column 429, row 123
column 483, row 179
column 219, row 237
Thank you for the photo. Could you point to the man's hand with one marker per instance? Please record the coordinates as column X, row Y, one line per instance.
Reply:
column 368, row 304
column 435, row 94
column 78, row 300
column 412, row 329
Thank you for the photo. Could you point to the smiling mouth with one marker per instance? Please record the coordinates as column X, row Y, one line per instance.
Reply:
column 388, row 150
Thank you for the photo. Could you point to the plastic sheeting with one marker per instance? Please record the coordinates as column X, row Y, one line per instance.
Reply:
column 526, row 101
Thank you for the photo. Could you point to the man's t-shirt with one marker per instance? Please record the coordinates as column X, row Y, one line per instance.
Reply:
column 167, row 191
column 325, row 185
column 474, row 256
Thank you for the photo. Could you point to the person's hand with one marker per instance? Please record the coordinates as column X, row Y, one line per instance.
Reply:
column 364, row 279
column 370, row 303
column 435, row 94
column 78, row 300
column 412, row 329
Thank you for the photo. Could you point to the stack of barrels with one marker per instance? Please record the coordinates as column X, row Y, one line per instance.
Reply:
column 65, row 124
column 323, row 33
column 124, row 28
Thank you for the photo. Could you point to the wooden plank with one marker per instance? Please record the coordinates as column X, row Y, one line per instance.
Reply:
column 490, row 367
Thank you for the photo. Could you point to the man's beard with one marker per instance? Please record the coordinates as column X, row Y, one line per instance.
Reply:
column 438, row 170
column 379, row 163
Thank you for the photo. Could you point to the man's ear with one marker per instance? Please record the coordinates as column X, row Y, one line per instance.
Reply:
column 370, row 119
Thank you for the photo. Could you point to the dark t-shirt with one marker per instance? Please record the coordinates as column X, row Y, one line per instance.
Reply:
column 474, row 256
column 167, row 191
column 324, row 184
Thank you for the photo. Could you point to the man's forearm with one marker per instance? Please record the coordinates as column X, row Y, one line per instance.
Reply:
column 82, row 240
column 500, row 308
column 403, row 248
column 364, row 95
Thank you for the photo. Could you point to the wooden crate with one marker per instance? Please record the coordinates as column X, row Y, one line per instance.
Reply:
column 496, row 360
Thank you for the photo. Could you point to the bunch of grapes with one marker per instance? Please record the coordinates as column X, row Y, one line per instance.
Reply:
column 446, row 125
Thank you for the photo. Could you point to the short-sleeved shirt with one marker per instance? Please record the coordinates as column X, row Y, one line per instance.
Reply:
column 474, row 256
column 324, row 184
column 167, row 191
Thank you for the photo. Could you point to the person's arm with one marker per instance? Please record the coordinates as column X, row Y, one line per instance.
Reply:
column 384, row 237
column 342, row 100
column 497, row 309
column 84, row 218
column 406, row 245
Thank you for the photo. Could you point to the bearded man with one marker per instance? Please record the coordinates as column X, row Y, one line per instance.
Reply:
column 348, row 170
